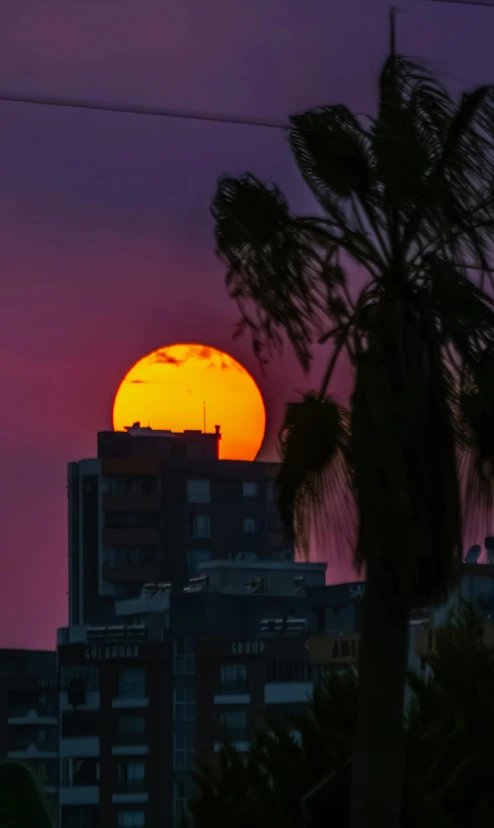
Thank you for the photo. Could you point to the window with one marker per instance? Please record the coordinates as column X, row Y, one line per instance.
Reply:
column 80, row 723
column 288, row 669
column 233, row 678
column 249, row 489
column 185, row 663
column 185, row 704
column 89, row 675
column 271, row 491
column 180, row 799
column 80, row 772
column 194, row 559
column 126, row 485
column 132, row 683
column 234, row 726
column 198, row 491
column 250, row 525
column 199, row 526
column 131, row 777
column 80, row 816
column 131, row 819
column 132, row 556
column 125, row 519
column 131, row 724
column 183, row 751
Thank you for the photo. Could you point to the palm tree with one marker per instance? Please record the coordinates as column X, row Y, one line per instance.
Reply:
column 22, row 803
column 407, row 196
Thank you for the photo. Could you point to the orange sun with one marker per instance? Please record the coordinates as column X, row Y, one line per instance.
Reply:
column 174, row 387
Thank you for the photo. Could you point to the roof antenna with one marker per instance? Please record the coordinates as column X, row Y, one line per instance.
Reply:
column 392, row 31
column 204, row 415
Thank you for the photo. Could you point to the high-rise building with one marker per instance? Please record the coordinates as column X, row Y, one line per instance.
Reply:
column 29, row 714
column 154, row 505
column 176, row 674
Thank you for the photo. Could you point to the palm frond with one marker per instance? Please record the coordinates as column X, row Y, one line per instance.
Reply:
column 274, row 263
column 314, row 478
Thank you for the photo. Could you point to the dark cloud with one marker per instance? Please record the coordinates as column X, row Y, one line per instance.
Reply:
column 163, row 358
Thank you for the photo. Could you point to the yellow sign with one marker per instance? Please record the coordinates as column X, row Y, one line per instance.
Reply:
column 426, row 639
column 332, row 649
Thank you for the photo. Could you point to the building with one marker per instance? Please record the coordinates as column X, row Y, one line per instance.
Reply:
column 29, row 714
column 152, row 506
column 178, row 672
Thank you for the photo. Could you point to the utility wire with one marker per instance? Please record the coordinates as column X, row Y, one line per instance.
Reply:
column 465, row 2
column 97, row 106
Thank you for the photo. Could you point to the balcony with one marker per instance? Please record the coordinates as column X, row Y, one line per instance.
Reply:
column 289, row 692
column 129, row 702
column 91, row 702
column 131, row 792
column 29, row 750
column 79, row 795
column 29, row 716
column 233, row 692
column 80, row 747
column 130, row 744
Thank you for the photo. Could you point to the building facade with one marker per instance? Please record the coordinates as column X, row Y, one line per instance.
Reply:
column 178, row 673
column 29, row 714
column 153, row 506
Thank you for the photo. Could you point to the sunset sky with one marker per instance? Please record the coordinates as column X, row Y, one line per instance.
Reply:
column 105, row 234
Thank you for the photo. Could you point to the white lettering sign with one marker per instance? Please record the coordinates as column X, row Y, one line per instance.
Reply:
column 356, row 591
column 110, row 653
column 248, row 648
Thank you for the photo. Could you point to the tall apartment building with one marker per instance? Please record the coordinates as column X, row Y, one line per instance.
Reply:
column 29, row 714
column 179, row 671
column 152, row 506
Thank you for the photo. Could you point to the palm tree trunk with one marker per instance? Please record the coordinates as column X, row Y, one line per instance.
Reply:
column 379, row 741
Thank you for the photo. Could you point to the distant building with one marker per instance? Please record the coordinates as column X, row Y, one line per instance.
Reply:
column 177, row 673
column 29, row 714
column 153, row 506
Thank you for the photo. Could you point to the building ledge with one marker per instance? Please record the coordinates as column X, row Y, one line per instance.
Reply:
column 121, row 704
column 79, row 795
column 232, row 698
column 130, row 750
column 130, row 798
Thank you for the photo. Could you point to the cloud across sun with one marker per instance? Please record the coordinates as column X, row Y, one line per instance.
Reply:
column 173, row 387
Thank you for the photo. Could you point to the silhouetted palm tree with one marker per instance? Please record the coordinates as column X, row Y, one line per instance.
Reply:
column 408, row 197
column 22, row 803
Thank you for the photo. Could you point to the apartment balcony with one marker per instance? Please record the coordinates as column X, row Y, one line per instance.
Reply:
column 91, row 702
column 130, row 744
column 289, row 692
column 80, row 747
column 131, row 792
column 79, row 795
column 27, row 716
column 24, row 751
column 131, row 537
column 233, row 692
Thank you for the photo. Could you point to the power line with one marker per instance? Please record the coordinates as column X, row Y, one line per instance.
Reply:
column 465, row 2
column 134, row 109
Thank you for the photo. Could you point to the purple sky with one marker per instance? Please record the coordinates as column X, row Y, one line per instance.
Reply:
column 106, row 239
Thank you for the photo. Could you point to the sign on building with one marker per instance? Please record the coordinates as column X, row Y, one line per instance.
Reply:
column 323, row 650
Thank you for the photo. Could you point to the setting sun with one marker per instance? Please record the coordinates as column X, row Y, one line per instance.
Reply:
column 182, row 386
